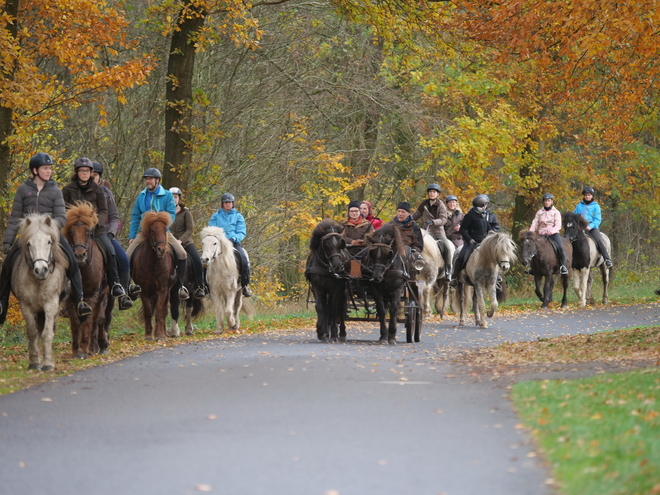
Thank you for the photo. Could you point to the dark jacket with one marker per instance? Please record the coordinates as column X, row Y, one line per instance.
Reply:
column 454, row 219
column 410, row 233
column 29, row 200
column 356, row 232
column 93, row 194
column 113, row 213
column 182, row 228
column 435, row 213
column 477, row 223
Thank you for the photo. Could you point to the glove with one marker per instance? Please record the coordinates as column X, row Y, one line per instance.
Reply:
column 6, row 247
column 472, row 241
column 428, row 223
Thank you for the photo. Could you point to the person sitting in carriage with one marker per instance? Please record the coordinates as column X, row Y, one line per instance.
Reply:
column 355, row 228
column 156, row 198
column 182, row 229
column 411, row 234
column 476, row 225
column 112, row 227
column 590, row 210
column 433, row 213
column 548, row 222
column 39, row 194
column 454, row 219
column 233, row 223
column 367, row 210
column 83, row 188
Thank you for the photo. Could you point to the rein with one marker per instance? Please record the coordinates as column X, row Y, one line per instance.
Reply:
column 88, row 236
column 388, row 267
column 326, row 263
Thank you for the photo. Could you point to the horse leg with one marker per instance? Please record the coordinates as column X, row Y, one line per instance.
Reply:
column 564, row 299
column 605, row 272
column 494, row 304
column 580, row 286
column 547, row 290
column 238, row 304
column 104, row 325
column 537, row 289
column 219, row 309
column 590, row 282
column 380, row 313
column 33, row 338
column 147, row 309
column 175, row 307
column 160, row 314
column 461, row 292
column 74, row 323
column 51, row 309
column 395, row 300
column 189, row 325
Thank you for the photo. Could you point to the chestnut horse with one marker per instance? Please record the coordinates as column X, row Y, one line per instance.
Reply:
column 90, row 336
column 153, row 269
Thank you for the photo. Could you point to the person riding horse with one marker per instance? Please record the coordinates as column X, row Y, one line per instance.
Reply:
column 548, row 222
column 355, row 228
column 476, row 225
column 39, row 194
column 112, row 227
column 182, row 229
column 454, row 219
column 83, row 188
column 411, row 234
column 233, row 223
column 590, row 210
column 156, row 198
column 433, row 213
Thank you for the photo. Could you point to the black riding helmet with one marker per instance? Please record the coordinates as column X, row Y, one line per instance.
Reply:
column 83, row 162
column 39, row 160
column 227, row 197
column 588, row 190
column 433, row 187
column 152, row 172
column 547, row 196
column 98, row 168
column 480, row 201
column 451, row 197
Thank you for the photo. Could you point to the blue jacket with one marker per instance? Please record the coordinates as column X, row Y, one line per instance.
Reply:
column 160, row 200
column 591, row 213
column 232, row 222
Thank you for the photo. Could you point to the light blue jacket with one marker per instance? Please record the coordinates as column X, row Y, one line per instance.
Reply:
column 231, row 221
column 591, row 213
column 160, row 200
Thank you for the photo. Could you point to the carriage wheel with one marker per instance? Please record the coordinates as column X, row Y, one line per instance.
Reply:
column 418, row 323
column 411, row 321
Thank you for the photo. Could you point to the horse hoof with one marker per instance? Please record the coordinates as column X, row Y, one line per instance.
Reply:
column 34, row 367
column 47, row 368
column 483, row 325
column 148, row 337
column 382, row 341
column 391, row 341
column 189, row 332
column 80, row 355
column 342, row 338
column 103, row 351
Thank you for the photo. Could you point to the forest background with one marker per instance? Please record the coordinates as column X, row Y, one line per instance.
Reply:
column 299, row 106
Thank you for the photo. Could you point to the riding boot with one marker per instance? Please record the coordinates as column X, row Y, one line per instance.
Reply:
column 563, row 270
column 78, row 295
column 112, row 273
column 125, row 301
column 4, row 300
column 181, row 266
column 5, row 281
column 198, row 271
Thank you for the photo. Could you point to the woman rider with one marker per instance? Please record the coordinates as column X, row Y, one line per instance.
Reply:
column 548, row 222
column 433, row 213
column 590, row 210
column 182, row 230
column 454, row 219
column 39, row 194
column 355, row 228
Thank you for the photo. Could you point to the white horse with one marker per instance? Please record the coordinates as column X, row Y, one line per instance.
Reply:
column 442, row 282
column 38, row 279
column 223, row 278
column 426, row 278
column 492, row 258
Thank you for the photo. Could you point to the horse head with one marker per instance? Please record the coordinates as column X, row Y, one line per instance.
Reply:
column 333, row 248
column 381, row 252
column 39, row 237
column 528, row 247
column 500, row 249
column 154, row 226
column 81, row 219
column 214, row 244
column 574, row 225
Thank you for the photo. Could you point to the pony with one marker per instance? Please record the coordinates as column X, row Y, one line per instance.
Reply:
column 585, row 257
column 153, row 269
column 39, row 281
column 92, row 335
column 538, row 253
column 326, row 271
column 192, row 307
column 491, row 259
column 428, row 276
column 387, row 270
column 223, row 279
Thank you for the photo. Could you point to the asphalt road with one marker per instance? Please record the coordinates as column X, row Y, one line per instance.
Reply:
column 281, row 413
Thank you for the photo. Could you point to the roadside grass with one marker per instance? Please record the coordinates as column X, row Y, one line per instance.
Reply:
column 601, row 434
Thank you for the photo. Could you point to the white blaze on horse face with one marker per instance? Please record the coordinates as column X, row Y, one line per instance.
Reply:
column 39, row 248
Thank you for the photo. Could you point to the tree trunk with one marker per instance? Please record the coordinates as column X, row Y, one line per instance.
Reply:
column 179, row 97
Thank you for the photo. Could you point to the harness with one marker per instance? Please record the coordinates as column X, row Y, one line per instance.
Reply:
column 323, row 265
column 386, row 268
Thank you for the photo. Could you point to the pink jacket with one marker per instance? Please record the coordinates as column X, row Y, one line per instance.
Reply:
column 548, row 221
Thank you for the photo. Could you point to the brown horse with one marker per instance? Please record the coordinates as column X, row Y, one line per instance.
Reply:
column 538, row 253
column 153, row 269
column 90, row 336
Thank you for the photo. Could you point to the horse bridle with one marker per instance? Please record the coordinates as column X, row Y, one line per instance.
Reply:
column 326, row 264
column 88, row 236
column 378, row 246
column 49, row 261
column 536, row 250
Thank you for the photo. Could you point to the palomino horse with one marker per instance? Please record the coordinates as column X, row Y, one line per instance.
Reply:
column 585, row 257
column 223, row 279
column 538, row 253
column 38, row 280
column 90, row 336
column 153, row 269
column 192, row 306
column 433, row 264
column 385, row 260
column 492, row 258
column 327, row 273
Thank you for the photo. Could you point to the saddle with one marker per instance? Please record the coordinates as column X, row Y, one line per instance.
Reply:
column 554, row 246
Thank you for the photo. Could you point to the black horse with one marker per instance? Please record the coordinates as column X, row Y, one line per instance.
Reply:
column 193, row 307
column 387, row 268
column 327, row 273
column 538, row 253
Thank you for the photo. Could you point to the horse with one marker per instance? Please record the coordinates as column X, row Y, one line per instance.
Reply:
column 327, row 273
column 153, row 269
column 223, row 279
column 538, row 253
column 39, row 281
column 585, row 257
column 388, row 267
column 491, row 259
column 428, row 276
column 192, row 306
column 92, row 335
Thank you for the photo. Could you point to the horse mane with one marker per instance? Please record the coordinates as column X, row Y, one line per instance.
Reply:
column 324, row 227
column 152, row 217
column 574, row 217
column 431, row 249
column 227, row 259
column 38, row 222
column 388, row 230
column 527, row 235
column 82, row 211
column 496, row 245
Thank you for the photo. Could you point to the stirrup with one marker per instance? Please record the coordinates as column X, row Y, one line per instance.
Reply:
column 453, row 282
column 563, row 270
column 608, row 263
column 200, row 293
column 246, row 291
column 183, row 293
column 125, row 303
column 134, row 291
column 117, row 290
column 83, row 309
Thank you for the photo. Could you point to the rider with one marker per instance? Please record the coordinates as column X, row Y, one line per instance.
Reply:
column 548, row 221
column 476, row 225
column 39, row 194
column 367, row 211
column 411, row 234
column 433, row 213
column 590, row 210
column 83, row 188
column 156, row 198
column 233, row 223
column 355, row 228
column 112, row 228
column 182, row 229
column 454, row 219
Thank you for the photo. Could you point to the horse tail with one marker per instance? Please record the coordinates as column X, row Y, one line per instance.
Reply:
column 198, row 308
column 248, row 308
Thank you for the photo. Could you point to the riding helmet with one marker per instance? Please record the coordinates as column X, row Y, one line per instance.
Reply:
column 548, row 196
column 176, row 190
column 82, row 163
column 588, row 190
column 152, row 172
column 480, row 201
column 433, row 187
column 227, row 197
column 40, row 159
column 451, row 197
column 98, row 168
